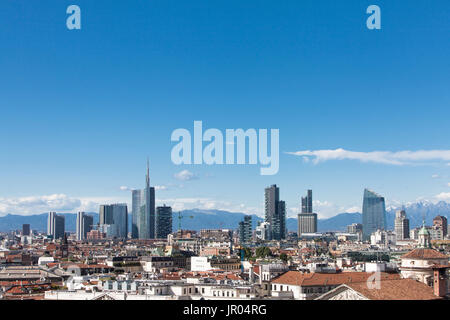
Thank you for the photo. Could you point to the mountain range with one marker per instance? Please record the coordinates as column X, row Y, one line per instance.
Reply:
column 197, row 219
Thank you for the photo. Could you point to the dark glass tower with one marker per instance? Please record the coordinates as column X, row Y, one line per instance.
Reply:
column 275, row 213
column 163, row 222
column 307, row 203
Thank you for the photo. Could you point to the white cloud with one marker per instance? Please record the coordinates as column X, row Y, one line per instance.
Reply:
column 124, row 188
column 435, row 176
column 448, row 184
column 161, row 187
column 54, row 202
column 185, row 175
column 384, row 157
column 443, row 196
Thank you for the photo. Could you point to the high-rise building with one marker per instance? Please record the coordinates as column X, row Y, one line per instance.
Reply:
column 114, row 220
column 245, row 230
column 262, row 231
column 84, row 225
column 307, row 223
column 307, row 220
column 163, row 222
column 25, row 230
column 307, row 203
column 275, row 213
column 440, row 223
column 374, row 213
column 143, row 211
column 401, row 225
column 106, row 214
column 355, row 228
column 55, row 225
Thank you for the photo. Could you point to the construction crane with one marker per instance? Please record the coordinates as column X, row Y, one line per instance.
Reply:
column 180, row 216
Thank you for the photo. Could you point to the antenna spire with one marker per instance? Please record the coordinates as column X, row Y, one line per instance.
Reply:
column 147, row 178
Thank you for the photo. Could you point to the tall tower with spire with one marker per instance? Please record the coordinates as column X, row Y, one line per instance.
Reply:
column 143, row 210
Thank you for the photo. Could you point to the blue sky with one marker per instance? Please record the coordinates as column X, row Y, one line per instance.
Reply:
column 82, row 109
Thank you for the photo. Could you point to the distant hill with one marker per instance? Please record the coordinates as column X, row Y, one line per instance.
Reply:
column 214, row 219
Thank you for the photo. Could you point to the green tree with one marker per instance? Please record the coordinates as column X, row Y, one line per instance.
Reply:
column 284, row 257
column 247, row 253
column 263, row 252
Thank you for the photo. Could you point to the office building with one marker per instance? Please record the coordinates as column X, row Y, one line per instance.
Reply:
column 307, row 220
column 374, row 213
column 245, row 230
column 307, row 203
column 262, row 231
column 440, row 223
column 106, row 214
column 401, row 225
column 84, row 225
column 355, row 228
column 163, row 222
column 25, row 230
column 55, row 225
column 143, row 211
column 275, row 213
column 114, row 220
column 307, row 223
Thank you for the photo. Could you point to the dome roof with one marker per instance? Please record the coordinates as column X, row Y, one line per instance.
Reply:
column 424, row 231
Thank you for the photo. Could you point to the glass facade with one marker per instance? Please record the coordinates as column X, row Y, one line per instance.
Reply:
column 143, row 212
column 374, row 213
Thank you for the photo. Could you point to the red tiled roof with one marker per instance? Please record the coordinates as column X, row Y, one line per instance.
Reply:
column 323, row 279
column 401, row 289
column 424, row 253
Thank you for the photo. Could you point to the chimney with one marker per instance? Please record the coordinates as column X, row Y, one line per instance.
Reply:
column 440, row 281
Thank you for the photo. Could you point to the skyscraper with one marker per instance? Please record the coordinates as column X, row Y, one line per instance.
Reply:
column 84, row 225
column 307, row 220
column 440, row 223
column 307, row 203
column 307, row 223
column 25, row 229
column 401, row 225
column 106, row 214
column 114, row 220
column 245, row 230
column 275, row 213
column 143, row 211
column 163, row 222
column 374, row 213
column 55, row 225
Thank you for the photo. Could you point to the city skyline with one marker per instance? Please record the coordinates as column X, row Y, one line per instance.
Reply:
column 367, row 116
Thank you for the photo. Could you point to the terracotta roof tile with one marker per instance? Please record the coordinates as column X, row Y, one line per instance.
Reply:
column 323, row 279
column 424, row 253
column 401, row 289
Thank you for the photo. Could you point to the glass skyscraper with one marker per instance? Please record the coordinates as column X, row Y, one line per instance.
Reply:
column 374, row 213
column 245, row 230
column 84, row 225
column 143, row 211
column 307, row 203
column 163, row 222
column 56, row 225
column 307, row 220
column 114, row 220
column 275, row 213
